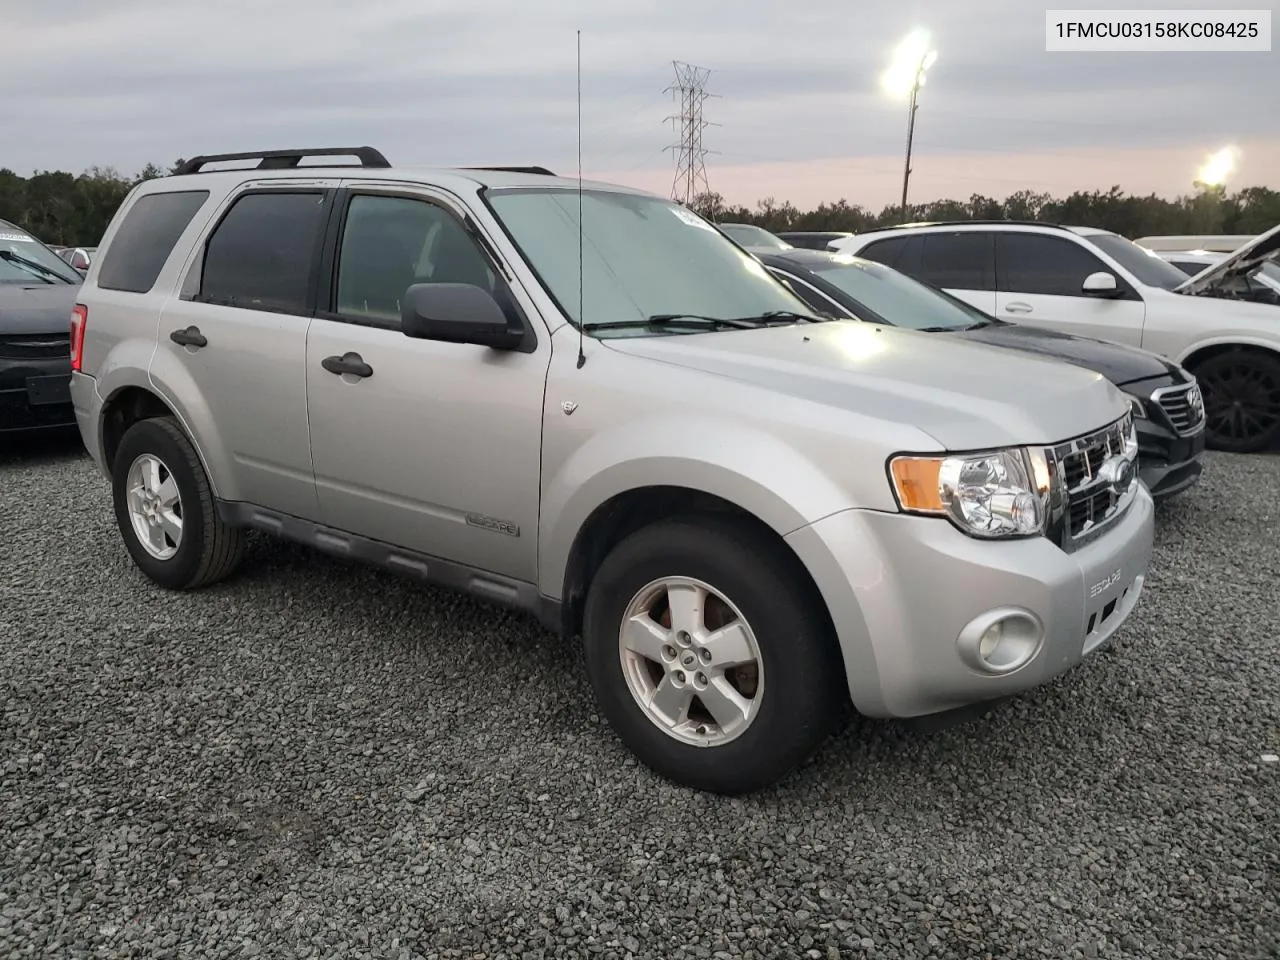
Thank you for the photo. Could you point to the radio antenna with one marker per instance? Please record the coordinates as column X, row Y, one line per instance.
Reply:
column 582, row 319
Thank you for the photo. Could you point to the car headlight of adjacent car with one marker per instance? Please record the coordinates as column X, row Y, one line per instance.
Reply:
column 1138, row 406
column 995, row 494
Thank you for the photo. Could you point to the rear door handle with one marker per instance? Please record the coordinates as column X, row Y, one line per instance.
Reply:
column 1017, row 307
column 351, row 363
column 190, row 337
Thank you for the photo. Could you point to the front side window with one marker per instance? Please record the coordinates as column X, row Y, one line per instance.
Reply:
column 391, row 243
column 1033, row 263
column 24, row 259
column 642, row 256
column 261, row 256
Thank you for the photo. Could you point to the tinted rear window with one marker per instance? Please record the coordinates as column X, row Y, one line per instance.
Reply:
column 260, row 256
column 145, row 239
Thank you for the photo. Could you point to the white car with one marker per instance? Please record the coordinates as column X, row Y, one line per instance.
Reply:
column 1261, row 285
column 1095, row 283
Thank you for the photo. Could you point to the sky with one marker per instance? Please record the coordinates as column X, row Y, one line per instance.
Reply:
column 799, row 115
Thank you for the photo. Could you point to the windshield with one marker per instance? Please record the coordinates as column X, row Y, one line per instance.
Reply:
column 24, row 259
column 1139, row 261
column 642, row 257
column 749, row 235
column 896, row 298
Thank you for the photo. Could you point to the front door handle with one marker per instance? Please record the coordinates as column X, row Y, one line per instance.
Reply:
column 1017, row 307
column 190, row 337
column 351, row 363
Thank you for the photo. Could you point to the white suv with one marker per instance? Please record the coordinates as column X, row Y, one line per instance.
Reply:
column 1095, row 283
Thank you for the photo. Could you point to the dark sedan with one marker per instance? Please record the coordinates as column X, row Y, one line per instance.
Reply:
column 1165, row 398
column 37, row 291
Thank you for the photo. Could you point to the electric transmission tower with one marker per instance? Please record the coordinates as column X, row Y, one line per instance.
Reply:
column 690, row 88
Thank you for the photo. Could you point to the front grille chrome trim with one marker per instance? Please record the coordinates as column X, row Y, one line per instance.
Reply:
column 1098, row 478
column 1182, row 405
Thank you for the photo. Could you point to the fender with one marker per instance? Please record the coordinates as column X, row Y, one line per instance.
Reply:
column 170, row 381
column 753, row 469
column 1238, row 340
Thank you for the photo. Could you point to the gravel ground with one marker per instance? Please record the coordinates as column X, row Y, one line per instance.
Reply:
column 318, row 760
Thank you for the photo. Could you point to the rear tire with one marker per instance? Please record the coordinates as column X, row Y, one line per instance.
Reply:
column 741, row 597
column 1241, row 390
column 165, row 509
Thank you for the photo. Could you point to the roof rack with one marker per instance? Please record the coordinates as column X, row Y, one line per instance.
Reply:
column 288, row 159
column 540, row 171
column 967, row 223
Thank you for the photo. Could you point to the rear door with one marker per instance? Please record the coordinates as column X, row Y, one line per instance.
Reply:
column 962, row 262
column 233, row 344
column 1040, row 282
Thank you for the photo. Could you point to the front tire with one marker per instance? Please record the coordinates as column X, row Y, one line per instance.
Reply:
column 1241, row 390
column 165, row 509
column 711, row 655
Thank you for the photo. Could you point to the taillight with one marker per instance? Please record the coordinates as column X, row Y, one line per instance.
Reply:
column 79, row 317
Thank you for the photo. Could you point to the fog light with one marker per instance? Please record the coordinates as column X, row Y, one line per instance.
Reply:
column 1000, row 641
column 990, row 640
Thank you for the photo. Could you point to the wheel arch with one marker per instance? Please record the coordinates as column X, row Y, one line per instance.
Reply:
column 1202, row 350
column 130, row 403
column 631, row 510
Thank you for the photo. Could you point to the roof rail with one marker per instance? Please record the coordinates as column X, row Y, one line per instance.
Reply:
column 967, row 223
column 540, row 171
column 287, row 159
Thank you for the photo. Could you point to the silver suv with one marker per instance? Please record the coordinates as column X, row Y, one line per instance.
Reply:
column 750, row 516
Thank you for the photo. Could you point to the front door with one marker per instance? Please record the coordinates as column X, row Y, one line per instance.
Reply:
column 1040, row 281
column 439, row 449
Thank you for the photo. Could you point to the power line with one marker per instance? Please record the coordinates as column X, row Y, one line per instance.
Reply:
column 691, row 168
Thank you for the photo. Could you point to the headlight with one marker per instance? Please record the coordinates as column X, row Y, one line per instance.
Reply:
column 1138, row 407
column 1000, row 493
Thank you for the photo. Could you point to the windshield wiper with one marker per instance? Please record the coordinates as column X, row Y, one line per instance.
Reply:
column 24, row 262
column 697, row 321
column 667, row 320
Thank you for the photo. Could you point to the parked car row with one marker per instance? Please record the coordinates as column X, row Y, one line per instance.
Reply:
column 37, row 291
column 586, row 403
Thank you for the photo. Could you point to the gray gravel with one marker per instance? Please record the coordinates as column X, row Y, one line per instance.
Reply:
column 318, row 760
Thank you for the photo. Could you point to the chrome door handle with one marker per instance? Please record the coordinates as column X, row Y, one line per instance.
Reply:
column 1017, row 307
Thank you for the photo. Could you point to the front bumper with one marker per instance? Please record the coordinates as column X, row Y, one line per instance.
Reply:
column 901, row 590
column 34, row 394
column 1168, row 463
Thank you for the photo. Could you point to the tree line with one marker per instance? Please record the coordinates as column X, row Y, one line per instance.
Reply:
column 1210, row 210
column 73, row 210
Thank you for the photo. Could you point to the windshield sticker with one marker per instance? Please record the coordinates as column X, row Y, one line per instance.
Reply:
column 20, row 237
column 692, row 219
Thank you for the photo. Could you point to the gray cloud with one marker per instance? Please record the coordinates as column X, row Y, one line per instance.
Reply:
column 448, row 81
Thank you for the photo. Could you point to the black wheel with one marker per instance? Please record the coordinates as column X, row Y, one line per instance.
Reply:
column 711, row 655
column 1241, row 390
column 165, row 510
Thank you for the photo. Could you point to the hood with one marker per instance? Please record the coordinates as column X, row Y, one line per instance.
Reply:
column 1117, row 362
column 967, row 396
column 36, row 307
column 1265, row 246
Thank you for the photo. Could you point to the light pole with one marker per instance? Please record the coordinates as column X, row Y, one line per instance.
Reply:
column 905, row 75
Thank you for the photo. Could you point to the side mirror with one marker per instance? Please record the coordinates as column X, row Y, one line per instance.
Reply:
column 456, row 313
column 1100, row 284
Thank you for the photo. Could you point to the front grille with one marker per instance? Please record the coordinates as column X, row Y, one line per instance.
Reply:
column 35, row 346
column 1183, row 405
column 1097, row 471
